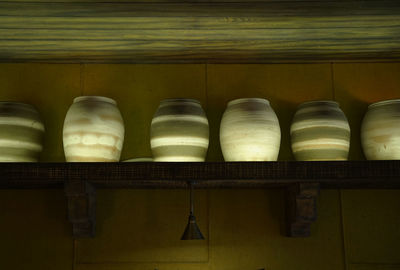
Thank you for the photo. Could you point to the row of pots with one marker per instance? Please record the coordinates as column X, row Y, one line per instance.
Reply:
column 249, row 131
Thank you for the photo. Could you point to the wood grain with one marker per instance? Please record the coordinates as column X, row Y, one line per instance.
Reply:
column 199, row 32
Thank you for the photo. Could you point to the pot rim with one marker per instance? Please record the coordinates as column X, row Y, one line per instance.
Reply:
column 139, row 159
column 18, row 103
column 383, row 102
column 322, row 101
column 95, row 98
column 180, row 99
column 241, row 100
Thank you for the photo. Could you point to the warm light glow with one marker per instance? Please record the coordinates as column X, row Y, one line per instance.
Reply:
column 22, row 131
column 320, row 131
column 380, row 131
column 93, row 130
column 250, row 131
column 179, row 131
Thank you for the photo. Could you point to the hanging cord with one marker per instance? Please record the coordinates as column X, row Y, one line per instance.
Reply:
column 191, row 198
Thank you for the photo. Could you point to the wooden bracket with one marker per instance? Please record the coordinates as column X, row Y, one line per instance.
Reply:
column 81, row 196
column 301, row 208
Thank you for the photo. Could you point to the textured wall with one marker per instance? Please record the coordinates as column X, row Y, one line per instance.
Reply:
column 140, row 229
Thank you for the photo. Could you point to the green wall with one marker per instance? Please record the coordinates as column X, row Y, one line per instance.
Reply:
column 140, row 229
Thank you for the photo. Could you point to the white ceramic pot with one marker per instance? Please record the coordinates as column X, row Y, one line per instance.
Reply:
column 21, row 132
column 93, row 130
column 179, row 131
column 320, row 131
column 250, row 131
column 380, row 131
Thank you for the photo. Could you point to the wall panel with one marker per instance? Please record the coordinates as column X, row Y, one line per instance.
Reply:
column 140, row 229
column 371, row 226
column 34, row 231
column 247, row 227
column 370, row 217
column 145, row 226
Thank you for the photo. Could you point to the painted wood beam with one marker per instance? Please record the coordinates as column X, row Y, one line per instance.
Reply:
column 199, row 32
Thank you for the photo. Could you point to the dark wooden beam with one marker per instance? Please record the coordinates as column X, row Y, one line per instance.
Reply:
column 272, row 31
column 329, row 174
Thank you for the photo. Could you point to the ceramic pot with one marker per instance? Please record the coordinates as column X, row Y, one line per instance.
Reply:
column 380, row 130
column 179, row 131
column 93, row 130
column 21, row 132
column 320, row 131
column 250, row 131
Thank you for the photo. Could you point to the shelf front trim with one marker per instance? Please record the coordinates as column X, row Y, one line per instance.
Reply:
column 143, row 175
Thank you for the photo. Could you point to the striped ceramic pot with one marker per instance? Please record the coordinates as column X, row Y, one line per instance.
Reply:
column 320, row 131
column 380, row 130
column 21, row 132
column 93, row 130
column 179, row 131
column 250, row 131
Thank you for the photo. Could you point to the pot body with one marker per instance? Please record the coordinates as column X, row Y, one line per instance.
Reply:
column 320, row 131
column 380, row 131
column 250, row 131
column 21, row 132
column 93, row 130
column 179, row 131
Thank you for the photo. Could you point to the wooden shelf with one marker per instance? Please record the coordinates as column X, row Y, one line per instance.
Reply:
column 329, row 174
column 302, row 181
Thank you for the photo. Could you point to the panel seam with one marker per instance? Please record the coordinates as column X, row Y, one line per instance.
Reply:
column 343, row 230
column 82, row 78
column 333, row 81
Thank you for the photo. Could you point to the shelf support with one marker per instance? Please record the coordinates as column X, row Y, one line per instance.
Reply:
column 301, row 208
column 81, row 197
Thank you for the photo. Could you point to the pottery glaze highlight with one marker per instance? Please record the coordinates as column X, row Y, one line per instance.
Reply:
column 380, row 131
column 320, row 131
column 250, row 131
column 21, row 132
column 179, row 131
column 93, row 130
